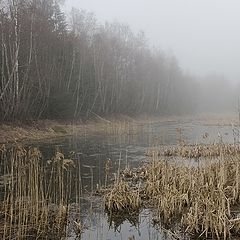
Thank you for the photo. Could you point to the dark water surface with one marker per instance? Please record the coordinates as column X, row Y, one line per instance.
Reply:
column 124, row 150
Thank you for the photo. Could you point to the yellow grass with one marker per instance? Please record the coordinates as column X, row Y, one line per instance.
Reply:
column 47, row 129
column 121, row 198
column 35, row 200
column 202, row 199
column 197, row 151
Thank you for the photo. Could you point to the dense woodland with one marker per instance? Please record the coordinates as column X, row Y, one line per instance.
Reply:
column 58, row 66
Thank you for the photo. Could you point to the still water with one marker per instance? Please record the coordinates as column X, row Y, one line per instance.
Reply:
column 123, row 150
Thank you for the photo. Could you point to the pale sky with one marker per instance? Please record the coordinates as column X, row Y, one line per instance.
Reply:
column 204, row 35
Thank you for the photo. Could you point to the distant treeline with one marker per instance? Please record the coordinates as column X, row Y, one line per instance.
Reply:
column 54, row 67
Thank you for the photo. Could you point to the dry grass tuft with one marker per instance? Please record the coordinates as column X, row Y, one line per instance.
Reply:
column 203, row 199
column 197, row 151
column 121, row 198
column 34, row 199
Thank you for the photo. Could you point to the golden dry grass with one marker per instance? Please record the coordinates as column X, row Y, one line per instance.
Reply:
column 35, row 201
column 202, row 199
column 197, row 150
column 47, row 129
column 121, row 198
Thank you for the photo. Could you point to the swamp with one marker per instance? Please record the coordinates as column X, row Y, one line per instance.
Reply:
column 170, row 179
column 119, row 120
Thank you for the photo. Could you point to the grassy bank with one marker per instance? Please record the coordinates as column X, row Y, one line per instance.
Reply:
column 43, row 129
column 17, row 132
column 13, row 132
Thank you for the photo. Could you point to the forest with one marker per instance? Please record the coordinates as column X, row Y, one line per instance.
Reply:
column 66, row 67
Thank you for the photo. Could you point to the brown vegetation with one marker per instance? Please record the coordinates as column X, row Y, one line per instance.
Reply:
column 122, row 198
column 33, row 131
column 35, row 200
column 202, row 199
column 51, row 129
column 197, row 150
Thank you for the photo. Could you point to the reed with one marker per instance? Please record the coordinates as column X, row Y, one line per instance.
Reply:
column 202, row 199
column 122, row 199
column 35, row 199
column 196, row 150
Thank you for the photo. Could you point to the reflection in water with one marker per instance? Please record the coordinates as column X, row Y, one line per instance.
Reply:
column 102, row 156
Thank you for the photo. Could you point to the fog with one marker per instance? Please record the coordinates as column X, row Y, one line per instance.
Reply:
column 204, row 35
column 87, row 58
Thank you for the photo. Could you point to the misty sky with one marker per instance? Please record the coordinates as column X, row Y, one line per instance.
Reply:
column 203, row 34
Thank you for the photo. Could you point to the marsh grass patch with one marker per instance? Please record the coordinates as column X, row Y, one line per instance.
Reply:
column 202, row 200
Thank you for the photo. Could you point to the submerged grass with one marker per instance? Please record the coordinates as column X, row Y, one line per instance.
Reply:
column 203, row 199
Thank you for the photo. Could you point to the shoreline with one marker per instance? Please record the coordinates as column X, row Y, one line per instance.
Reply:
column 49, row 129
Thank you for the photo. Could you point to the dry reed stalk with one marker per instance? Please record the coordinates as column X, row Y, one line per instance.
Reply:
column 197, row 150
column 201, row 198
column 35, row 201
column 121, row 198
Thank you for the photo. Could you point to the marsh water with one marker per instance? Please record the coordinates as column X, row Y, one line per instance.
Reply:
column 124, row 150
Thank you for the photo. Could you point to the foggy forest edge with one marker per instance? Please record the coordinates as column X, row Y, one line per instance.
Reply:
column 59, row 67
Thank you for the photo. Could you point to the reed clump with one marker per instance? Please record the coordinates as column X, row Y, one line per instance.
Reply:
column 122, row 199
column 117, row 128
column 197, row 150
column 201, row 199
column 35, row 199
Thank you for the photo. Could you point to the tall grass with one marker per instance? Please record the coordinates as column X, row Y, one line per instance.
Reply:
column 35, row 199
column 196, row 150
column 202, row 199
column 122, row 199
